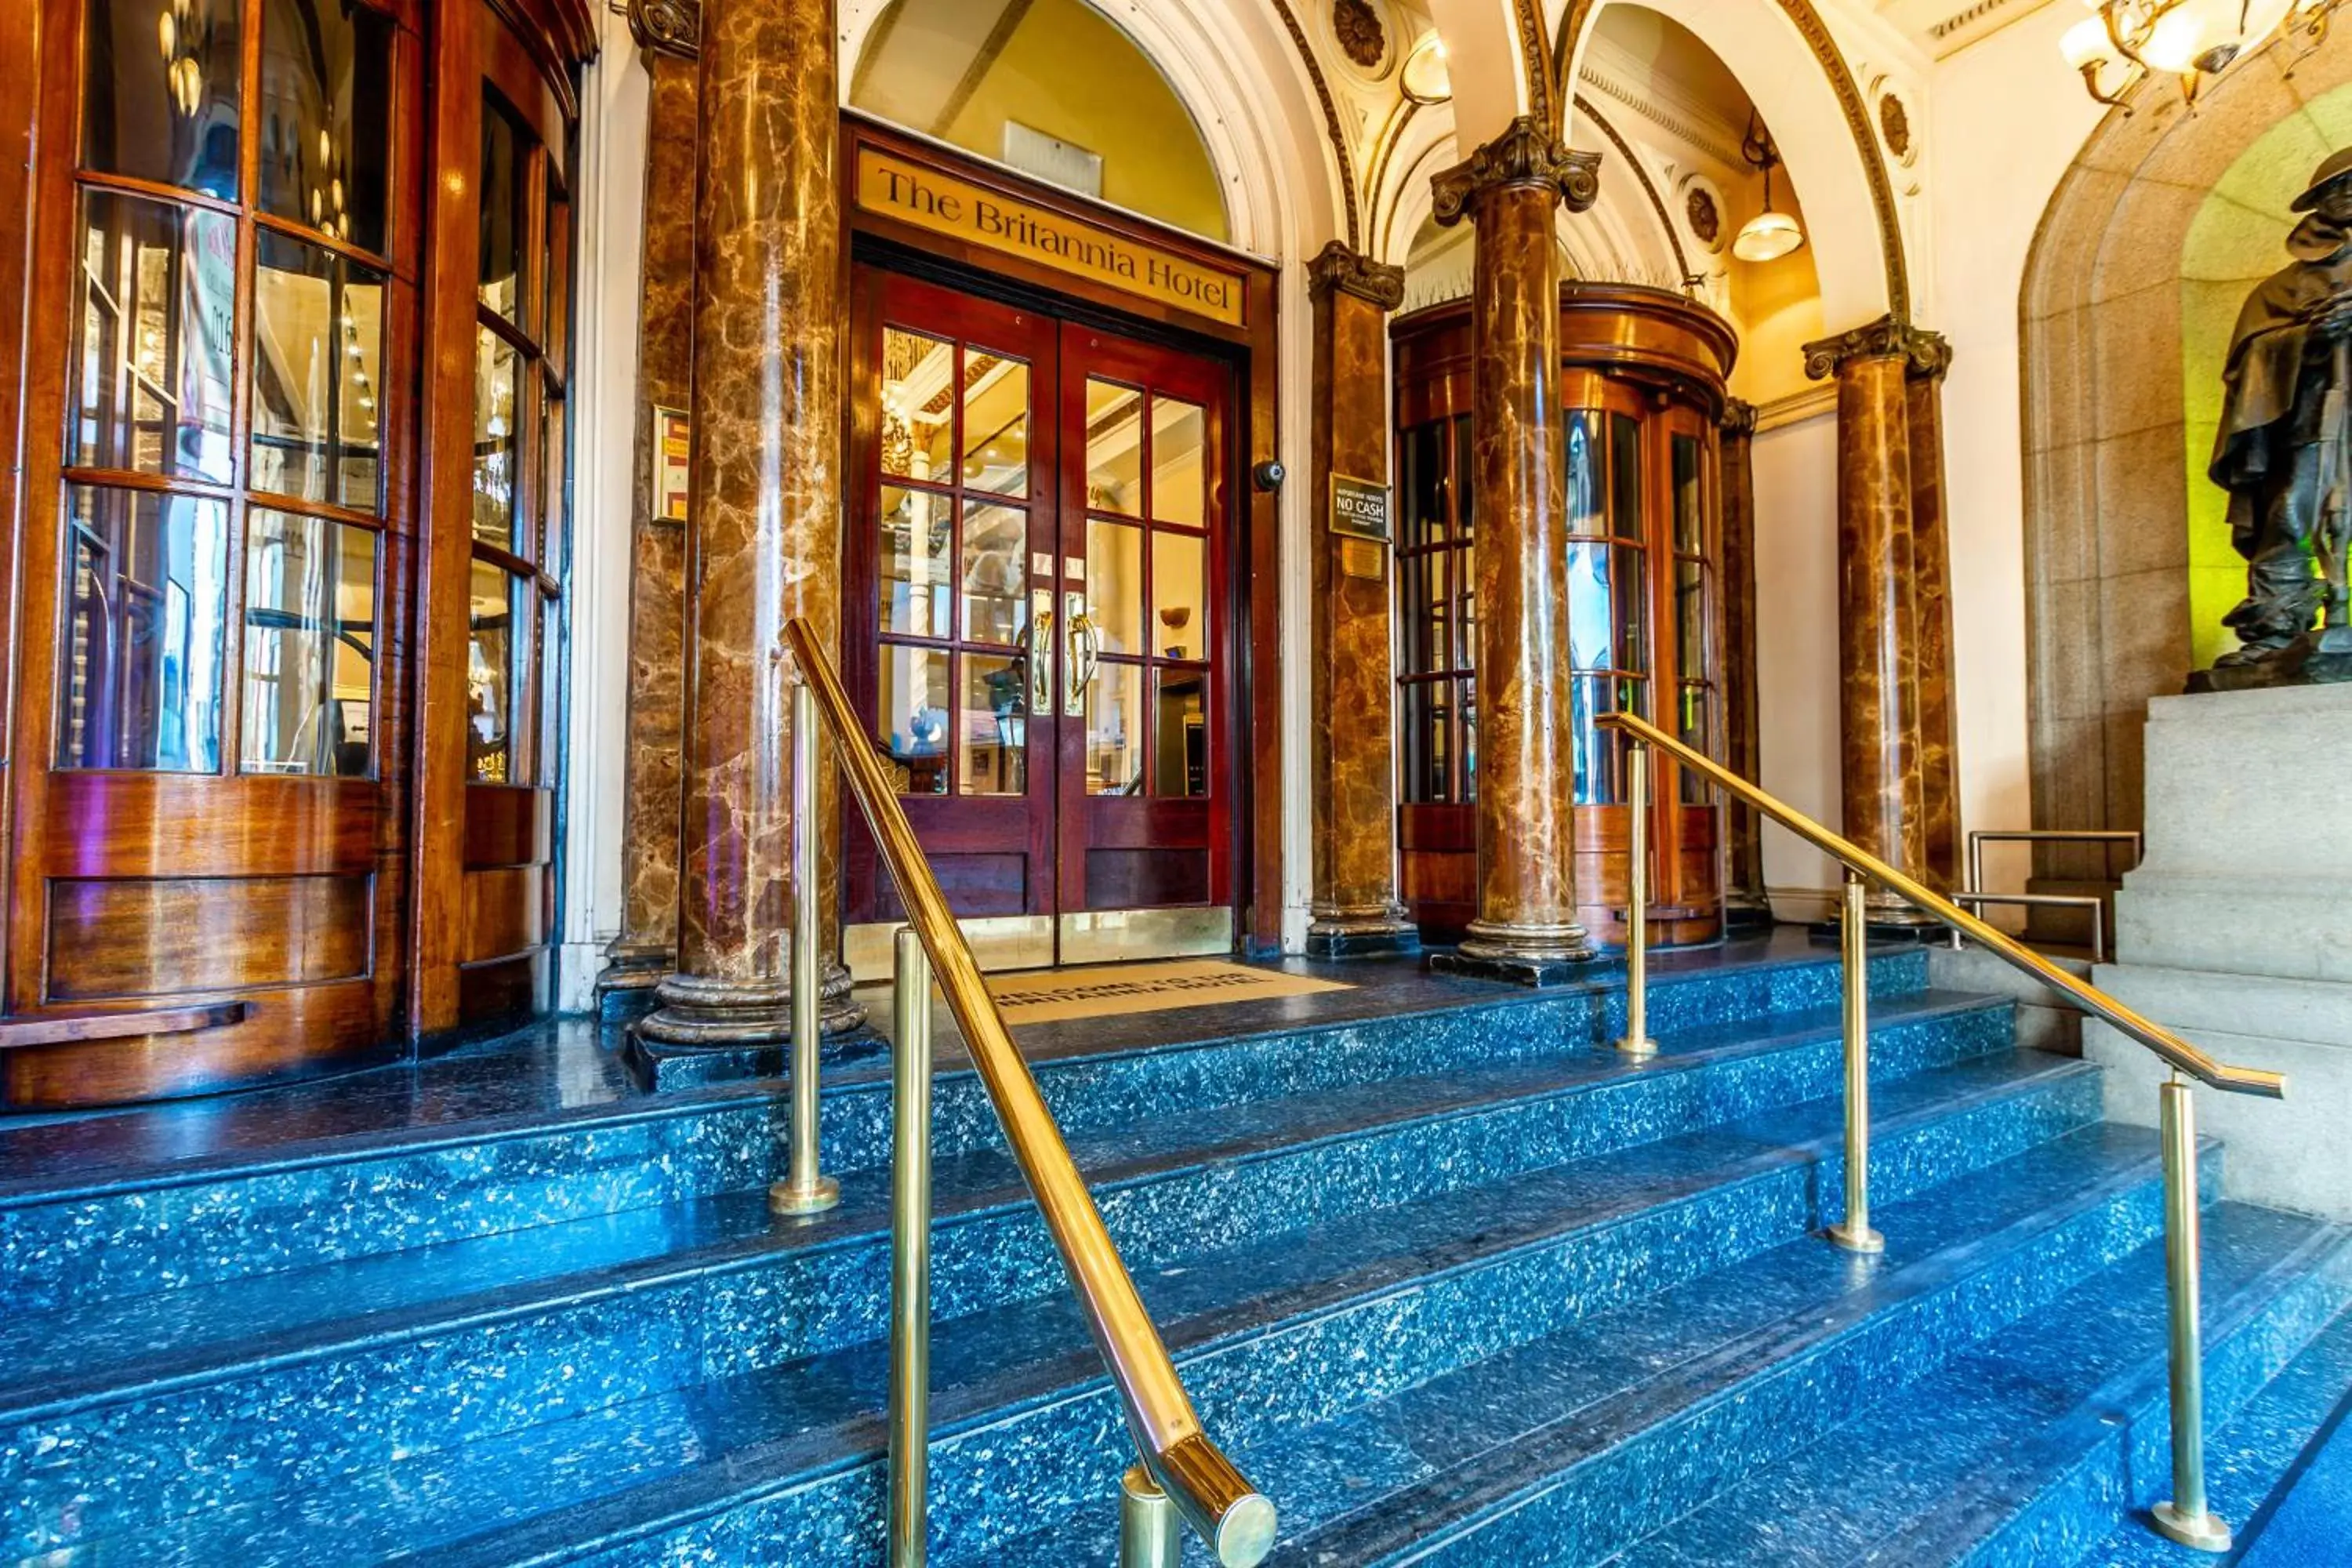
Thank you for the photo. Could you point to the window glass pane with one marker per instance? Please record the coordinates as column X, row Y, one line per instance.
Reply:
column 498, row 444
column 1414, row 573
column 917, row 406
column 152, row 362
column 1422, row 486
column 1115, row 730
column 1114, row 447
column 316, row 367
column 1422, row 774
column 1631, row 568
column 1467, row 655
column 1464, row 487
column 523, row 616
column 996, row 425
column 912, row 723
column 995, row 745
column 995, row 572
column 146, row 594
column 489, row 676
column 1589, row 618
column 505, row 151
column 1594, row 773
column 1583, row 474
column 1625, row 476
column 1466, row 775
column 1690, row 531
column 309, row 646
column 555, row 277
column 1690, row 619
column 917, row 529
column 326, row 128
column 1179, row 566
column 1180, row 751
column 551, row 667
column 1694, row 726
column 160, row 92
column 1115, row 583
column 1180, row 461
column 555, row 487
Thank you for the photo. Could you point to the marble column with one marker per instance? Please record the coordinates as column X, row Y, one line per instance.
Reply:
column 1883, row 698
column 1744, row 904
column 1353, row 762
column 1931, row 562
column 646, row 948
column 764, row 538
column 1512, row 190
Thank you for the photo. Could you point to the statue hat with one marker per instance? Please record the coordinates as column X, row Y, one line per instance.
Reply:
column 2338, row 166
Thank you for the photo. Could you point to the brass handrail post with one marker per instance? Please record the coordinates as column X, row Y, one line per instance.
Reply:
column 805, row 1189
column 1636, row 1041
column 1854, row 1232
column 1151, row 1531
column 2186, row 1518
column 910, row 1251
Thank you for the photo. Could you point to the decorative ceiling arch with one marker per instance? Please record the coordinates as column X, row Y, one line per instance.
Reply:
column 1625, row 155
column 1576, row 21
column 1535, row 55
column 1340, row 151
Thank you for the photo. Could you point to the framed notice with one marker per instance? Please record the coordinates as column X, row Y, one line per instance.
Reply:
column 673, row 440
column 1360, row 508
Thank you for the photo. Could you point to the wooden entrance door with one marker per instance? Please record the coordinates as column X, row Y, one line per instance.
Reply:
column 1038, row 625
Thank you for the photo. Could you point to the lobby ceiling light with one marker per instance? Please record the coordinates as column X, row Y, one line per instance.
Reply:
column 1424, row 79
column 1770, row 235
column 2190, row 40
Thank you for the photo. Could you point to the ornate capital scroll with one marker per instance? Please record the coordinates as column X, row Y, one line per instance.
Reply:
column 1337, row 266
column 1525, row 154
column 1739, row 417
column 669, row 26
column 1927, row 352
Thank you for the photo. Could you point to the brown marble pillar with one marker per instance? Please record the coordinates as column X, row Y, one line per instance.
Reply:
column 1353, row 762
column 1744, row 904
column 646, row 948
column 1931, row 562
column 1880, row 639
column 1512, row 189
column 764, row 538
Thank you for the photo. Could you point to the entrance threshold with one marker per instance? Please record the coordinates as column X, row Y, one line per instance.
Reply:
column 1005, row 942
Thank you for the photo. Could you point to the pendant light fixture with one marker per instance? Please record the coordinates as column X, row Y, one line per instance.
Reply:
column 1770, row 235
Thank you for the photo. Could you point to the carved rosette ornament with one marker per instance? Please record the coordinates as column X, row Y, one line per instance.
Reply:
column 1927, row 354
column 1361, row 38
column 1336, row 266
column 669, row 26
column 1525, row 154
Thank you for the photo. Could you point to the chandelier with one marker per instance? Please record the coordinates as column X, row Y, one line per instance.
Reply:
column 2188, row 39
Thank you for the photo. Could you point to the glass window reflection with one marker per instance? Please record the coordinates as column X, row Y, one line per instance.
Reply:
column 491, row 655
column 505, row 146
column 917, row 406
column 498, row 373
column 309, row 646
column 146, row 599
column 912, row 724
column 996, row 425
column 153, row 356
column 326, row 94
column 318, row 369
column 160, row 92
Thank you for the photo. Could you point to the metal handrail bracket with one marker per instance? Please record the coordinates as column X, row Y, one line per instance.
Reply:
column 1236, row 1520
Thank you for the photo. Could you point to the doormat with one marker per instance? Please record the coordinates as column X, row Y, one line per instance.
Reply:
column 1045, row 996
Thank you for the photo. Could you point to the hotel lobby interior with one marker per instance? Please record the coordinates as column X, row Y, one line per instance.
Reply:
column 1164, row 783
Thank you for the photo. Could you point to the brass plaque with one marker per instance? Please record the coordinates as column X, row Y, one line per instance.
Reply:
column 1362, row 558
column 932, row 199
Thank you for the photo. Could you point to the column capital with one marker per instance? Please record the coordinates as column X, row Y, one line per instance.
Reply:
column 1336, row 266
column 1525, row 154
column 1739, row 417
column 667, row 26
column 1927, row 354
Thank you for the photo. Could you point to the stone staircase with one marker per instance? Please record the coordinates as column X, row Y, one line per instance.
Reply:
column 1450, row 1282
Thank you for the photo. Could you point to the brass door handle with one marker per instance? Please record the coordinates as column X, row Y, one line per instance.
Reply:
column 1040, row 654
column 1085, row 652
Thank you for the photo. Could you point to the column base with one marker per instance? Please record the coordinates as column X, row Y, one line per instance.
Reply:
column 633, row 972
column 1747, row 914
column 711, row 1031
column 1884, row 925
column 1523, row 955
column 1362, row 933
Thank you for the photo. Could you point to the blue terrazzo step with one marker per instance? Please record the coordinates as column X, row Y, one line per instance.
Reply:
column 388, row 1178
column 1274, row 1331
column 1563, row 1447
column 2036, row 1445
column 2280, row 1472
column 561, row 1319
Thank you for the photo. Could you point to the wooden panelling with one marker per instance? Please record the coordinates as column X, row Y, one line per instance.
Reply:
column 506, row 911
column 976, row 886
column 507, row 826
column 193, row 824
column 117, row 940
column 1147, row 879
column 503, row 988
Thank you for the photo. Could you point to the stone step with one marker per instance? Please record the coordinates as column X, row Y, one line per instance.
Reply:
column 1272, row 1325
column 451, row 1150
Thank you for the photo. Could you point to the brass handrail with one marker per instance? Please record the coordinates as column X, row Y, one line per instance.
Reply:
column 2177, row 1052
column 1235, row 1517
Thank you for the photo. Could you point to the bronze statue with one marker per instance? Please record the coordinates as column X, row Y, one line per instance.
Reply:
column 2284, row 449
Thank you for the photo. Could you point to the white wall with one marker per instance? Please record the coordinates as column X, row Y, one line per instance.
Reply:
column 603, row 459
column 1797, row 649
column 2007, row 116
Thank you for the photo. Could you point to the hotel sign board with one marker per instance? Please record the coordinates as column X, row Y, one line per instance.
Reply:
column 931, row 199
